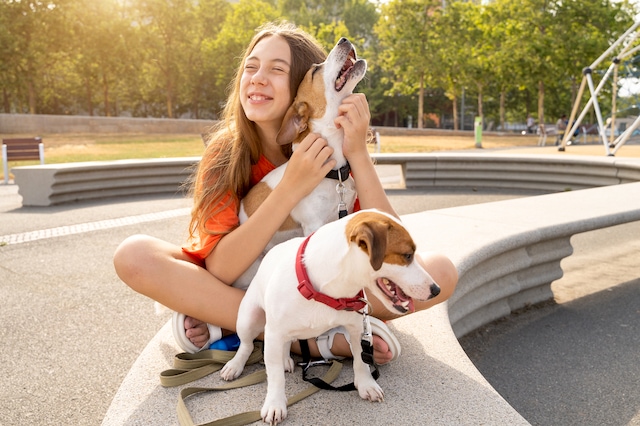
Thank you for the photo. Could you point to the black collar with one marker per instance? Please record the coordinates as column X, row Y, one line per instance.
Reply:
column 342, row 176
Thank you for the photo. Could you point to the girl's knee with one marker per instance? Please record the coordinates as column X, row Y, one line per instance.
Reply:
column 131, row 256
column 443, row 272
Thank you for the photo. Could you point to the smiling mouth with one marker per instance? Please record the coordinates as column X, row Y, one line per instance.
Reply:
column 345, row 71
column 258, row 98
column 400, row 301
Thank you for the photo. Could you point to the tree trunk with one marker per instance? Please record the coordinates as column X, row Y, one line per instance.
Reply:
column 541, row 106
column 455, row 112
column 503, row 98
column 89, row 95
column 32, row 97
column 169, row 97
column 5, row 101
column 480, row 109
column 105, row 88
column 195, row 109
column 421, row 101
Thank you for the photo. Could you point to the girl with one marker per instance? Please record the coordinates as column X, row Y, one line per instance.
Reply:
column 196, row 279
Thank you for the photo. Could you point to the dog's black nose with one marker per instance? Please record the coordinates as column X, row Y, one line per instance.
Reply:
column 342, row 40
column 435, row 290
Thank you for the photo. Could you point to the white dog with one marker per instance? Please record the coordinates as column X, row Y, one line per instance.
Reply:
column 293, row 294
column 314, row 109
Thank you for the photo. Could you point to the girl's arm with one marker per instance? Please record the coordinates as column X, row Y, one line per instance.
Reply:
column 236, row 251
column 354, row 119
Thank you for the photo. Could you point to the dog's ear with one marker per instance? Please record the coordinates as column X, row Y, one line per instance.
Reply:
column 294, row 123
column 372, row 237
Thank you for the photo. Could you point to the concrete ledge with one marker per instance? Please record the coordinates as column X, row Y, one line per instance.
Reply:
column 503, row 170
column 51, row 184
column 507, row 254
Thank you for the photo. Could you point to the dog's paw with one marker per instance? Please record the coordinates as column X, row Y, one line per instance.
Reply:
column 231, row 370
column 370, row 390
column 274, row 412
column 289, row 365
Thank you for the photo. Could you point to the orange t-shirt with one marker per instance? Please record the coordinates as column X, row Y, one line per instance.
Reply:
column 225, row 220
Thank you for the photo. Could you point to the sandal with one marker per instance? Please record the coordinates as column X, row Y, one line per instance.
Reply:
column 179, row 334
column 378, row 327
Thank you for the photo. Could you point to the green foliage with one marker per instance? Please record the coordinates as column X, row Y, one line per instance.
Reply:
column 171, row 58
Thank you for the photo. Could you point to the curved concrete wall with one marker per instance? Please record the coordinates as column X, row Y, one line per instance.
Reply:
column 491, row 170
column 58, row 183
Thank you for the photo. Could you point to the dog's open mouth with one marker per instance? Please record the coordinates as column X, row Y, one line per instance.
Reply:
column 398, row 298
column 347, row 67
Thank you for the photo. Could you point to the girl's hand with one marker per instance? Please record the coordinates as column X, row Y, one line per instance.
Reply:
column 354, row 118
column 308, row 165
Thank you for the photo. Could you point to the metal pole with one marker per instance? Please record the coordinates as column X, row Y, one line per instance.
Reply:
column 574, row 111
column 614, row 45
column 614, row 97
column 624, row 137
column 592, row 100
column 596, row 108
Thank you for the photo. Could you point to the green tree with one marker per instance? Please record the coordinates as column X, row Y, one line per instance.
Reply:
column 455, row 43
column 202, row 92
column 223, row 50
column 165, row 27
column 100, row 47
column 359, row 16
column 408, row 42
column 34, row 33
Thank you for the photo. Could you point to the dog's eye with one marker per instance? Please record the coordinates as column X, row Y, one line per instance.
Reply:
column 408, row 257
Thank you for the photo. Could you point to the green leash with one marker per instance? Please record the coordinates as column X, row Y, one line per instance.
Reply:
column 190, row 367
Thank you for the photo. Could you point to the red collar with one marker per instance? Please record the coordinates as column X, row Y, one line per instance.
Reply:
column 306, row 288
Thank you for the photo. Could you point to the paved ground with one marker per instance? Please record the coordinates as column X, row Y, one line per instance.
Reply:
column 574, row 361
column 70, row 329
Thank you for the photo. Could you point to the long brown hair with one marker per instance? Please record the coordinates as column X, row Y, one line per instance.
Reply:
column 234, row 145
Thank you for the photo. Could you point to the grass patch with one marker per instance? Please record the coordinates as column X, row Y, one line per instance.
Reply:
column 73, row 148
column 399, row 144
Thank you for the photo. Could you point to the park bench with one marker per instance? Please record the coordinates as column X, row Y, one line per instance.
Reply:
column 21, row 150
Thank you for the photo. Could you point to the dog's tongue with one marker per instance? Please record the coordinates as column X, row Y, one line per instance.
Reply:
column 399, row 299
column 344, row 72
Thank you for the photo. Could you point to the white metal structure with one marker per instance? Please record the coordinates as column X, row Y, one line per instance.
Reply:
column 627, row 48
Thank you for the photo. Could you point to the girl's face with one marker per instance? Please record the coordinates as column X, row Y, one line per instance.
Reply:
column 264, row 86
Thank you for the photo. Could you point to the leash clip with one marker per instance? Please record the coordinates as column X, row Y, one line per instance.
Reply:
column 307, row 365
column 340, row 189
column 366, row 340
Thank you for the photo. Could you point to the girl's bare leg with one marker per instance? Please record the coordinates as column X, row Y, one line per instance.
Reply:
column 163, row 272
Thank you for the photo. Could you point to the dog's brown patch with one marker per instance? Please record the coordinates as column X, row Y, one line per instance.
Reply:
column 383, row 239
column 288, row 224
column 256, row 196
column 310, row 102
